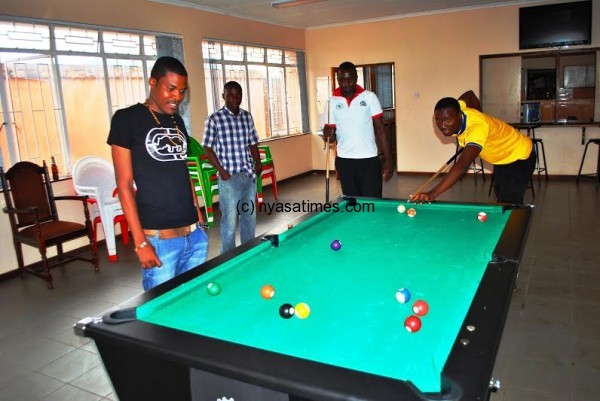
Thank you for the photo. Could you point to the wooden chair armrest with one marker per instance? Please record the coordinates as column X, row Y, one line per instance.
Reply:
column 28, row 210
column 72, row 197
column 83, row 199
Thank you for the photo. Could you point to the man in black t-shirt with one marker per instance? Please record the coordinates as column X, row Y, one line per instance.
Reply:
column 149, row 147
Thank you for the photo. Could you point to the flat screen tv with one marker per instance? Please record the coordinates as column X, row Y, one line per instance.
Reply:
column 555, row 25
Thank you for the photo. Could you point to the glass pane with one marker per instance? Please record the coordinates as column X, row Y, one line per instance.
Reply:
column 233, row 52
column 290, row 58
column 255, row 54
column 214, row 86
column 211, row 51
column 35, row 112
column 294, row 107
column 277, row 101
column 126, row 83
column 4, row 148
column 274, row 56
column 76, row 40
column 87, row 121
column 577, row 91
column 16, row 35
column 237, row 73
column 259, row 102
column 385, row 85
column 121, row 43
column 150, row 45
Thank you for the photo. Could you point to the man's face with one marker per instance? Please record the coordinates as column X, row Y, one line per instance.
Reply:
column 168, row 92
column 347, row 82
column 233, row 99
column 448, row 121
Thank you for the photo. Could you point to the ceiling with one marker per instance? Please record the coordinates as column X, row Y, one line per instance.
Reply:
column 338, row 12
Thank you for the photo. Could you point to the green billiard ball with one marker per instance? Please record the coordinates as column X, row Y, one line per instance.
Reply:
column 213, row 288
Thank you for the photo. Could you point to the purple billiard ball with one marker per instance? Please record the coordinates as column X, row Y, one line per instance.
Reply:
column 336, row 245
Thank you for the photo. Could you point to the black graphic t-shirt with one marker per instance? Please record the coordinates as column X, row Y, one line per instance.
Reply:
column 158, row 154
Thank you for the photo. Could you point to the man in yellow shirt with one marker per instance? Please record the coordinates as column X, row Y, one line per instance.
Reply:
column 481, row 135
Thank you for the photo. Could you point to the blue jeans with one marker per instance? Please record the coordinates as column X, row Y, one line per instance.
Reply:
column 237, row 197
column 177, row 256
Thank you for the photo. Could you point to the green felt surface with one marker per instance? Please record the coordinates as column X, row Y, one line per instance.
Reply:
column 356, row 322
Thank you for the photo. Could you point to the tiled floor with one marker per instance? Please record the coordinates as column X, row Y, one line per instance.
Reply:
column 550, row 349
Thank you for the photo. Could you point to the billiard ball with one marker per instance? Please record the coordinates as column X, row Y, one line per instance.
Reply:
column 267, row 291
column 213, row 288
column 401, row 209
column 351, row 201
column 411, row 212
column 412, row 324
column 286, row 311
column 402, row 295
column 482, row 216
column 336, row 245
column 302, row 310
column 420, row 308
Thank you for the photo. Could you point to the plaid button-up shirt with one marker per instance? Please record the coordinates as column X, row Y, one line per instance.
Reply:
column 229, row 136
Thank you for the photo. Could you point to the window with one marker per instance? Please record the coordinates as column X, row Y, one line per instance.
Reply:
column 562, row 83
column 273, row 82
column 62, row 83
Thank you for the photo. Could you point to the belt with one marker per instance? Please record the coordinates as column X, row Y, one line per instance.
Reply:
column 173, row 232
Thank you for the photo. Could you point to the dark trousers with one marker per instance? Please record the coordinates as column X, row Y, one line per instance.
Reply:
column 360, row 177
column 511, row 180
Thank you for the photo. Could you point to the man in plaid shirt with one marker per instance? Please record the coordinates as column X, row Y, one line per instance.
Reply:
column 230, row 142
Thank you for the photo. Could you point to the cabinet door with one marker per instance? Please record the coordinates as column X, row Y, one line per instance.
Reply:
column 501, row 87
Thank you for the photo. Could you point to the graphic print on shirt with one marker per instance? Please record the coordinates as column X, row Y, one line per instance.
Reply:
column 166, row 144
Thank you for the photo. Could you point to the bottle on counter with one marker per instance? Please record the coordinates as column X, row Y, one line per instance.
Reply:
column 54, row 169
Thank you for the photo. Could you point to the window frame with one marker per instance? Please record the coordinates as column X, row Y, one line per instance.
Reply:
column 54, row 55
column 214, row 87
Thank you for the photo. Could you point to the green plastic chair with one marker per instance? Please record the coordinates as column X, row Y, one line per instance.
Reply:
column 204, row 177
column 268, row 171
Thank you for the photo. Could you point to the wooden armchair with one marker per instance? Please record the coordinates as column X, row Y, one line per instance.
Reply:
column 34, row 221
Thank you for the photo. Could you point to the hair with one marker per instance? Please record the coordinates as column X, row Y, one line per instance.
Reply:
column 232, row 85
column 348, row 66
column 164, row 65
column 447, row 103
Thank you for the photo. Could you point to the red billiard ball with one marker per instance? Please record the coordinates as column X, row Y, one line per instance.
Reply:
column 482, row 216
column 420, row 308
column 412, row 324
column 267, row 291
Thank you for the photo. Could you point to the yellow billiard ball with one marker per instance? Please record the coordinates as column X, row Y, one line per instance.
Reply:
column 302, row 310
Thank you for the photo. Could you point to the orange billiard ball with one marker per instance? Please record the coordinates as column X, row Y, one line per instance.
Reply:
column 267, row 291
column 411, row 212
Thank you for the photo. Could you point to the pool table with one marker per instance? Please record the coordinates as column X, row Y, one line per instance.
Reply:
column 180, row 342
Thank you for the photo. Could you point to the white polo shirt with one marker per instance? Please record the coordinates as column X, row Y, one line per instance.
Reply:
column 353, row 120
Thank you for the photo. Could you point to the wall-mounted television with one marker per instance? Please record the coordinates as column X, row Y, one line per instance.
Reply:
column 555, row 25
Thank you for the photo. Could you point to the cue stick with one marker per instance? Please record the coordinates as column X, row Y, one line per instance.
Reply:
column 327, row 173
column 440, row 171
column 327, row 159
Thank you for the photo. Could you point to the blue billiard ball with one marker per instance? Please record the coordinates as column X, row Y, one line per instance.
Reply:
column 336, row 245
column 403, row 295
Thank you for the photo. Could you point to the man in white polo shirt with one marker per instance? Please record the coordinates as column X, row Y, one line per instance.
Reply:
column 355, row 118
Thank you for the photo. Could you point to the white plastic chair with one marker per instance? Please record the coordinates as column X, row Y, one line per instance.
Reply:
column 95, row 177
